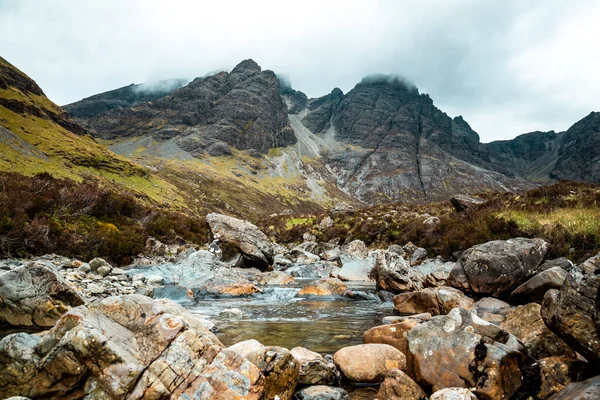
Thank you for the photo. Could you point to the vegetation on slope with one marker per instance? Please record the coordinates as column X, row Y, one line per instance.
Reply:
column 42, row 214
column 566, row 214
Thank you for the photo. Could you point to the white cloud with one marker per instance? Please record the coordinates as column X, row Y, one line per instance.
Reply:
column 507, row 66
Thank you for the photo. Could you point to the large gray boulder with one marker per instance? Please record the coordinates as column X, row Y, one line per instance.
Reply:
column 496, row 268
column 35, row 295
column 393, row 273
column 126, row 347
column 251, row 242
column 462, row 350
column 535, row 288
column 357, row 263
column 570, row 311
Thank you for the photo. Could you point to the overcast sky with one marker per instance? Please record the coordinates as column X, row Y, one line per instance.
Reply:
column 508, row 67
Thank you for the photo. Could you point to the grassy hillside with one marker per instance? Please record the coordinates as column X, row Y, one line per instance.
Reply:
column 42, row 214
column 566, row 214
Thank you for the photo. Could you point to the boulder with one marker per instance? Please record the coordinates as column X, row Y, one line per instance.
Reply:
column 525, row 322
column 275, row 278
column 320, row 392
column 453, row 394
column 326, row 223
column 223, row 287
column 97, row 263
column 341, row 209
column 35, row 295
column 393, row 273
column 462, row 202
column 126, row 347
column 357, row 263
column 586, row 390
column 399, row 386
column 392, row 334
column 325, row 287
column 314, row 369
column 394, row 319
column 281, row 371
column 557, row 372
column 535, row 288
column 462, row 350
column 435, row 301
column 491, row 309
column 246, row 347
column 255, row 246
column 418, row 256
column 368, row 363
column 569, row 312
column 498, row 267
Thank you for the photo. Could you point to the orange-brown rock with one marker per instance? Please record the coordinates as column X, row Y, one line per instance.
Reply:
column 462, row 350
column 399, row 386
column 368, row 363
column 525, row 322
column 392, row 334
column 436, row 301
column 281, row 371
column 314, row 369
column 557, row 372
column 325, row 287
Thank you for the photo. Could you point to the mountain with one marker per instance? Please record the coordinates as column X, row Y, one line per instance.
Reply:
column 545, row 157
column 383, row 141
column 38, row 136
column 124, row 97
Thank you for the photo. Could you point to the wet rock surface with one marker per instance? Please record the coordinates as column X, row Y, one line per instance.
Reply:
column 399, row 386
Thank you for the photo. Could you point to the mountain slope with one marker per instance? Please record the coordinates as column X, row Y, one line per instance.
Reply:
column 383, row 141
column 38, row 136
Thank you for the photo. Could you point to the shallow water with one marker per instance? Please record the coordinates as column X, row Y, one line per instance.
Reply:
column 279, row 318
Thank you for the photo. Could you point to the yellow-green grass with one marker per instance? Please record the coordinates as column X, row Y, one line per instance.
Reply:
column 584, row 221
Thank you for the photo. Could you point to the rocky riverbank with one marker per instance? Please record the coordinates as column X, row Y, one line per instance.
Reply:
column 502, row 321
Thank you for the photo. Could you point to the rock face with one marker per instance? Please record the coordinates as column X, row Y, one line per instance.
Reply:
column 570, row 311
column 557, row 372
column 453, row 394
column 281, row 371
column 392, row 334
column 393, row 273
column 535, row 288
column 242, row 109
column 255, row 246
column 368, row 363
column 130, row 346
column 125, row 97
column 321, row 392
column 525, row 322
column 586, row 390
column 398, row 386
column 314, row 369
column 357, row 263
column 498, row 267
column 35, row 295
column 436, row 301
column 461, row 350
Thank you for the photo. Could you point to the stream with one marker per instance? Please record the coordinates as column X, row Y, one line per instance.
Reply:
column 278, row 318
